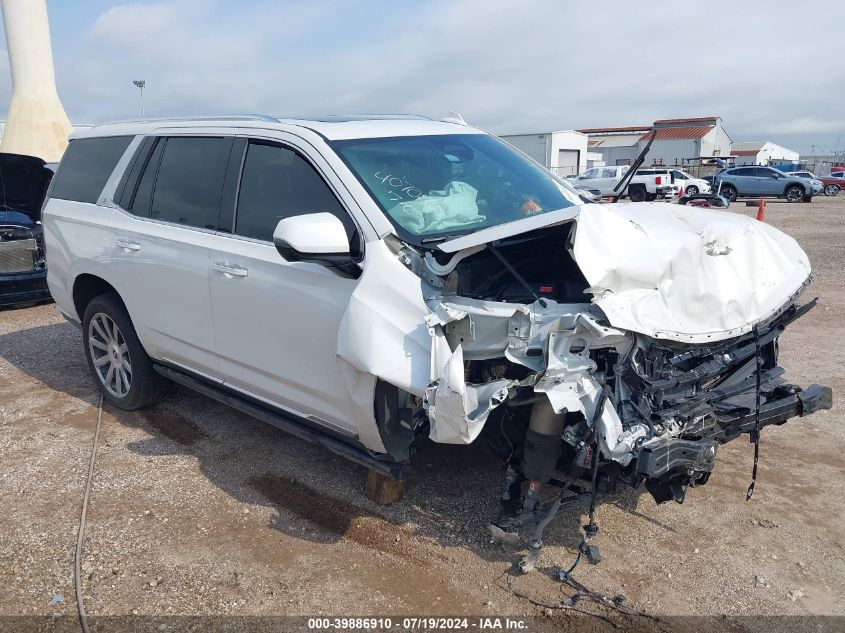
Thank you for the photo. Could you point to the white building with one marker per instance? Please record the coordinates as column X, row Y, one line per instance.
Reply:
column 564, row 152
column 677, row 141
column 764, row 153
column 74, row 127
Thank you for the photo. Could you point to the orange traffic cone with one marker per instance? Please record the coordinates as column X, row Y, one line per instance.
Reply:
column 761, row 210
column 681, row 192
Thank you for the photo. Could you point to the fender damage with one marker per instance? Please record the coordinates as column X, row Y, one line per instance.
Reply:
column 675, row 310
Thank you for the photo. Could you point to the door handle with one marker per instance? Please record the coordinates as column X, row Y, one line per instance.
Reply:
column 230, row 271
column 129, row 246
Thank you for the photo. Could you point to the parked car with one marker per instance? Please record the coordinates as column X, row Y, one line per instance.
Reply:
column 762, row 181
column 23, row 271
column 818, row 186
column 657, row 184
column 833, row 183
column 368, row 283
column 692, row 186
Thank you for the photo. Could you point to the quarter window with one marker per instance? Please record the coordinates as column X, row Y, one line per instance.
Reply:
column 86, row 166
column 278, row 183
column 189, row 182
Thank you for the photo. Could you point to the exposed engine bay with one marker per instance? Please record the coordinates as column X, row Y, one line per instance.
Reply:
column 598, row 368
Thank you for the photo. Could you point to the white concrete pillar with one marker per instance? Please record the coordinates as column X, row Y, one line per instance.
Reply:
column 36, row 124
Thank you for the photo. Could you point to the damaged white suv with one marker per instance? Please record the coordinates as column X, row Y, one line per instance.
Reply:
column 368, row 282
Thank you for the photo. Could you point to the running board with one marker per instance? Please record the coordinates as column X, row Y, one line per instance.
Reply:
column 287, row 422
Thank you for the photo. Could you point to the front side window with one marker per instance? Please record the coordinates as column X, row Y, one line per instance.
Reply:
column 432, row 186
column 189, row 182
column 277, row 183
column 591, row 173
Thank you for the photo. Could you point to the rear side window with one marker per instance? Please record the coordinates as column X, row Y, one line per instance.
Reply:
column 278, row 183
column 86, row 166
column 188, row 181
column 747, row 171
column 140, row 203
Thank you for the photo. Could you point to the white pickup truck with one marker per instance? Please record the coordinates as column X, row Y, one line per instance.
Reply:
column 656, row 184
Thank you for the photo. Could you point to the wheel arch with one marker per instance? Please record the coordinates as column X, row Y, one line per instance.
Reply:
column 87, row 286
column 794, row 184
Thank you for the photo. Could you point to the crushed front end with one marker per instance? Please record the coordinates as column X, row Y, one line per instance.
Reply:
column 585, row 405
column 602, row 346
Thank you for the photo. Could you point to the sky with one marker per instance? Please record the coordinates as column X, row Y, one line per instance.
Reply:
column 771, row 69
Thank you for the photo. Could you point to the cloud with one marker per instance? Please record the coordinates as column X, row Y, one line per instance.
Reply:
column 505, row 66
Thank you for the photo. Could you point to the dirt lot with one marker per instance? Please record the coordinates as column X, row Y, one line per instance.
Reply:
column 197, row 509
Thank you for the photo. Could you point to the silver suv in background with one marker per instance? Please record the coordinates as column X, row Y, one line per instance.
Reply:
column 370, row 283
column 756, row 181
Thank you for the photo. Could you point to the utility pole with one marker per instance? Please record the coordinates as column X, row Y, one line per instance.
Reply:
column 140, row 83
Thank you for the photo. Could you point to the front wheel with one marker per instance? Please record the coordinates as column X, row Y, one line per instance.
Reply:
column 831, row 190
column 692, row 190
column 729, row 192
column 794, row 193
column 117, row 360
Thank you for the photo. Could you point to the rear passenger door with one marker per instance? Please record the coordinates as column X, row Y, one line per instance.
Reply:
column 766, row 182
column 161, row 239
column 276, row 322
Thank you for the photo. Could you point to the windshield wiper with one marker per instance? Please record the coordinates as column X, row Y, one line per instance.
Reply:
column 515, row 274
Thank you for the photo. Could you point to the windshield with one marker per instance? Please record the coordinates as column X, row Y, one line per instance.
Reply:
column 432, row 186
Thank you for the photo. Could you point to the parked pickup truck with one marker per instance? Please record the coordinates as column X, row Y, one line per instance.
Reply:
column 656, row 184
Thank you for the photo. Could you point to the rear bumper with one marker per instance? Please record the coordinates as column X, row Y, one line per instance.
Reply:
column 663, row 457
column 24, row 288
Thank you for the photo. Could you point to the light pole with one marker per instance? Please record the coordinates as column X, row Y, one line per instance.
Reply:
column 140, row 83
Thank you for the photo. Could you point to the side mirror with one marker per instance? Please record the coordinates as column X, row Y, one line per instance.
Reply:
column 316, row 237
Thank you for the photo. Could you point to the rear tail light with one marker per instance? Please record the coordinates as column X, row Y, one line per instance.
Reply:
column 658, row 180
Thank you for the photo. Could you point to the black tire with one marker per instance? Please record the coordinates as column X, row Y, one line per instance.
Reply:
column 119, row 355
column 808, row 198
column 831, row 190
column 637, row 194
column 692, row 190
column 729, row 192
column 794, row 193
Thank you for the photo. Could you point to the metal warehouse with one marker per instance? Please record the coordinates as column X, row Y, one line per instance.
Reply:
column 564, row 152
column 677, row 141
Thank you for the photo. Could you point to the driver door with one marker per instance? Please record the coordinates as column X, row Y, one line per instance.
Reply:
column 276, row 322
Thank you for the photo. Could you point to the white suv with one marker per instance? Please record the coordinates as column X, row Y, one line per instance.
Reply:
column 369, row 282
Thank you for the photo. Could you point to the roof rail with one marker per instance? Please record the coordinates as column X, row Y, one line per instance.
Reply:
column 222, row 117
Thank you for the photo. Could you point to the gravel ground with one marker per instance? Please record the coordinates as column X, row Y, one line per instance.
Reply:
column 197, row 509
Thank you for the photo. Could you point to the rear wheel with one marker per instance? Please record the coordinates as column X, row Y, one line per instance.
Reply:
column 831, row 190
column 794, row 193
column 637, row 194
column 729, row 192
column 117, row 360
column 692, row 190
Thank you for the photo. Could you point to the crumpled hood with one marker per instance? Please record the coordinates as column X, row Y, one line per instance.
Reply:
column 683, row 273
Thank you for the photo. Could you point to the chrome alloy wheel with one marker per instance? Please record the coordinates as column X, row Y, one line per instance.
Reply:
column 109, row 354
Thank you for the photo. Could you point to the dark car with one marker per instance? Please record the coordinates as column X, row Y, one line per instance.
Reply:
column 23, row 269
column 756, row 181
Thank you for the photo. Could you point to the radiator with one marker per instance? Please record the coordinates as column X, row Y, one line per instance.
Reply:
column 17, row 256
